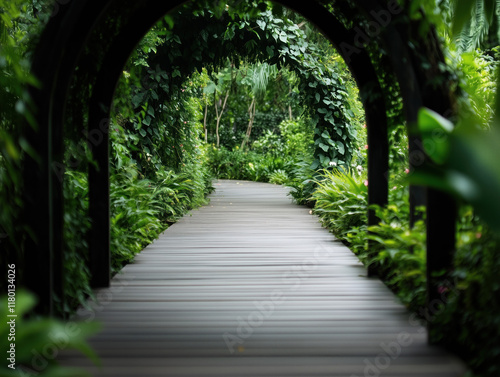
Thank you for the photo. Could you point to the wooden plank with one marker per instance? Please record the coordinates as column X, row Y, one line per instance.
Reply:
column 295, row 301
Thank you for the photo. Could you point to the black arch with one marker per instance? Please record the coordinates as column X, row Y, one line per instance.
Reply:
column 54, row 64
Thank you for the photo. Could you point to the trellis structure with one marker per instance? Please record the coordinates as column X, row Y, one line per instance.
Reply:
column 64, row 47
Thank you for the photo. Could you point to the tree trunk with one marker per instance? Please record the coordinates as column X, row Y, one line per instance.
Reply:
column 219, row 116
column 251, row 113
column 205, row 123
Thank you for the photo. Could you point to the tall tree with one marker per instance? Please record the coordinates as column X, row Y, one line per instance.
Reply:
column 257, row 78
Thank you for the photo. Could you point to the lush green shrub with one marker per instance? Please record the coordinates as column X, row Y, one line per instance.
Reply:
column 275, row 157
column 279, row 177
column 399, row 253
column 469, row 323
column 227, row 164
column 303, row 182
column 294, row 140
column 142, row 208
column 341, row 203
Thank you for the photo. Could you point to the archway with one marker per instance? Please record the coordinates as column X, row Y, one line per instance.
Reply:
column 64, row 47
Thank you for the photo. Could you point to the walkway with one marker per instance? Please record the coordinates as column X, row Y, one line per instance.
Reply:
column 252, row 285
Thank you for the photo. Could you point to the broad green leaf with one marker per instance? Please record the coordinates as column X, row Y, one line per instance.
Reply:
column 435, row 131
column 475, row 154
column 210, row 88
column 324, row 147
column 340, row 147
column 429, row 121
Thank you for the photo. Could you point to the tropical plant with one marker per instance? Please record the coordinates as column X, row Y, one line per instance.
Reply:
column 473, row 22
column 279, row 177
column 399, row 253
column 341, row 202
column 37, row 342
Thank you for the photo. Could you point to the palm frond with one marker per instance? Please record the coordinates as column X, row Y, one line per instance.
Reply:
column 473, row 21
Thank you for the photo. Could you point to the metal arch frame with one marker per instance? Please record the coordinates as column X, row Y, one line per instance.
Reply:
column 54, row 65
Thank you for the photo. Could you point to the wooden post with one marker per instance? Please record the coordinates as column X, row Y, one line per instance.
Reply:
column 38, row 257
column 99, row 211
column 417, row 157
column 378, row 168
column 441, row 228
column 98, row 135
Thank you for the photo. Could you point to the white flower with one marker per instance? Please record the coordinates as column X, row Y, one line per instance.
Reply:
column 333, row 163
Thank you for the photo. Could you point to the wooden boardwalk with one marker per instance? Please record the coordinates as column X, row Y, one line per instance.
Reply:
column 252, row 285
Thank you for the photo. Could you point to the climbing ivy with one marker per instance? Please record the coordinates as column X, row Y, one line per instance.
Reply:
column 182, row 44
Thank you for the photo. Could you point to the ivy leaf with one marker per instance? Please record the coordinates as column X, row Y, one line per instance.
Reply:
column 142, row 132
column 435, row 131
column 318, row 97
column 270, row 51
column 204, row 35
column 262, row 24
column 340, row 147
column 229, row 34
column 137, row 99
column 324, row 147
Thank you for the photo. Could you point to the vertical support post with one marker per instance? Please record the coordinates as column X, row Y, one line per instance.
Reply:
column 57, row 208
column 38, row 270
column 378, row 169
column 441, row 229
column 43, row 178
column 99, row 212
column 417, row 158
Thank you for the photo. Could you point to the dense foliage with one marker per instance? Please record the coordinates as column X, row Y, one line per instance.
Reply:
column 252, row 91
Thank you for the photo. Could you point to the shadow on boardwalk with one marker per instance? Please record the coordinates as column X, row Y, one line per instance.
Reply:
column 252, row 285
